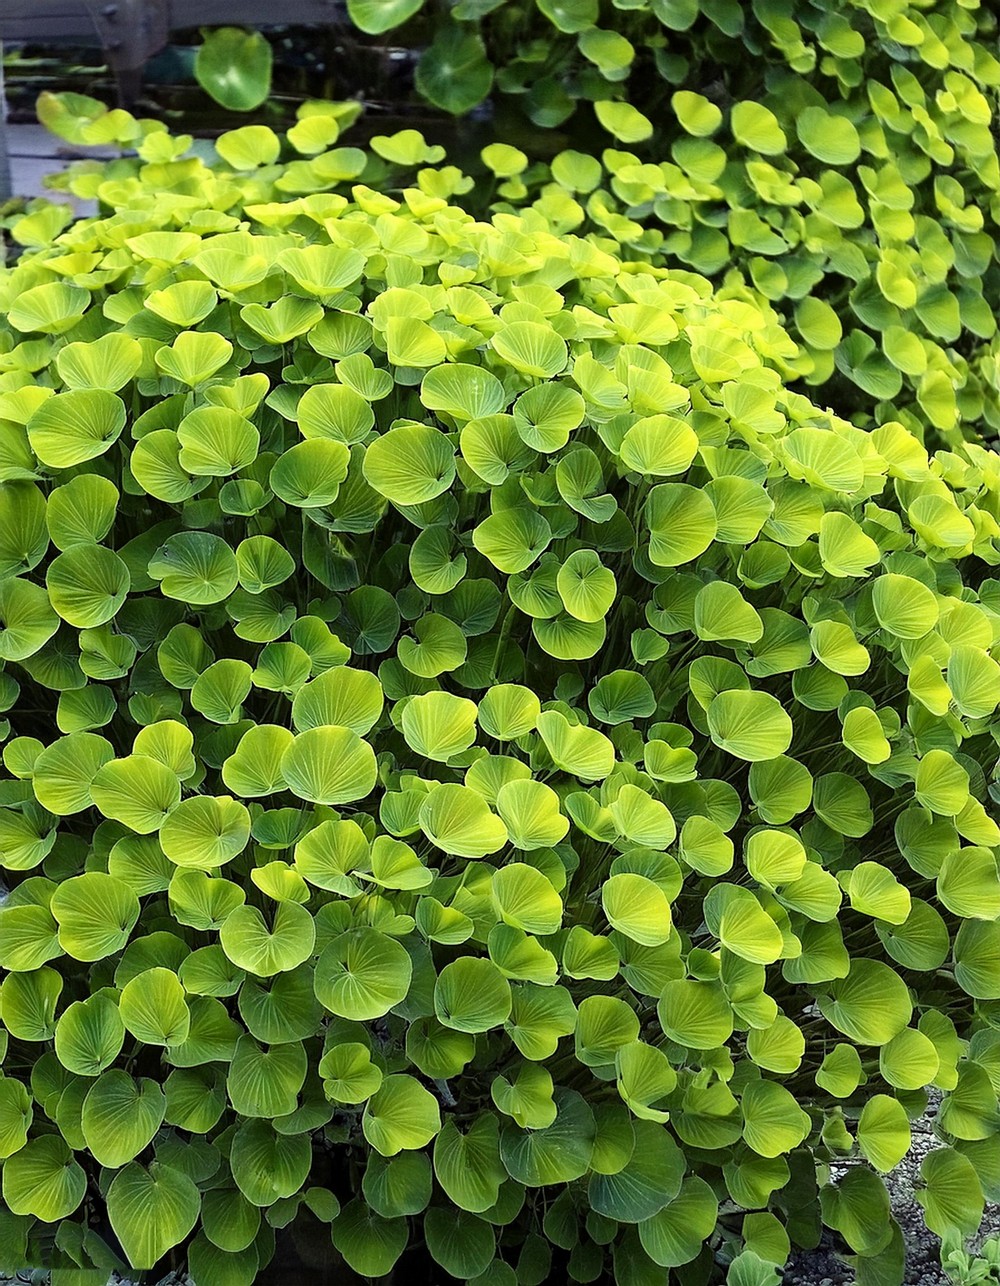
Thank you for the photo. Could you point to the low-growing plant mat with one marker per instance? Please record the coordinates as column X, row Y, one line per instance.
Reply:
column 490, row 772
column 838, row 158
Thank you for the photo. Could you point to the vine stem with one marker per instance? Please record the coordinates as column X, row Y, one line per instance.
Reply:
column 505, row 629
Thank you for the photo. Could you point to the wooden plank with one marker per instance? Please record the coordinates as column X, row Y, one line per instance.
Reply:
column 43, row 21
column 21, row 9
column 253, row 13
column 48, row 31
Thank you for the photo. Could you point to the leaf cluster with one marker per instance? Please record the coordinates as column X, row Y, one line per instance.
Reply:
column 838, row 161
column 484, row 760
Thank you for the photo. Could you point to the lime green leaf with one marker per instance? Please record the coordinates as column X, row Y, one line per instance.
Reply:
column 234, row 66
column 151, row 1210
column 402, row 1114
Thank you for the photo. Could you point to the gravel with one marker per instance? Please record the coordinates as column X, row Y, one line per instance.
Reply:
column 824, row 1267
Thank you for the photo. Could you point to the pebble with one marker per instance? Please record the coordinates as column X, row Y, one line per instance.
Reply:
column 923, row 1249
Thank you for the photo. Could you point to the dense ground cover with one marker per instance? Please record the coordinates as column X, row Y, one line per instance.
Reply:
column 839, row 158
column 490, row 765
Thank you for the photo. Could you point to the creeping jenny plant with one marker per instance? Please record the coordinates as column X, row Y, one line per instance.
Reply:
column 486, row 765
